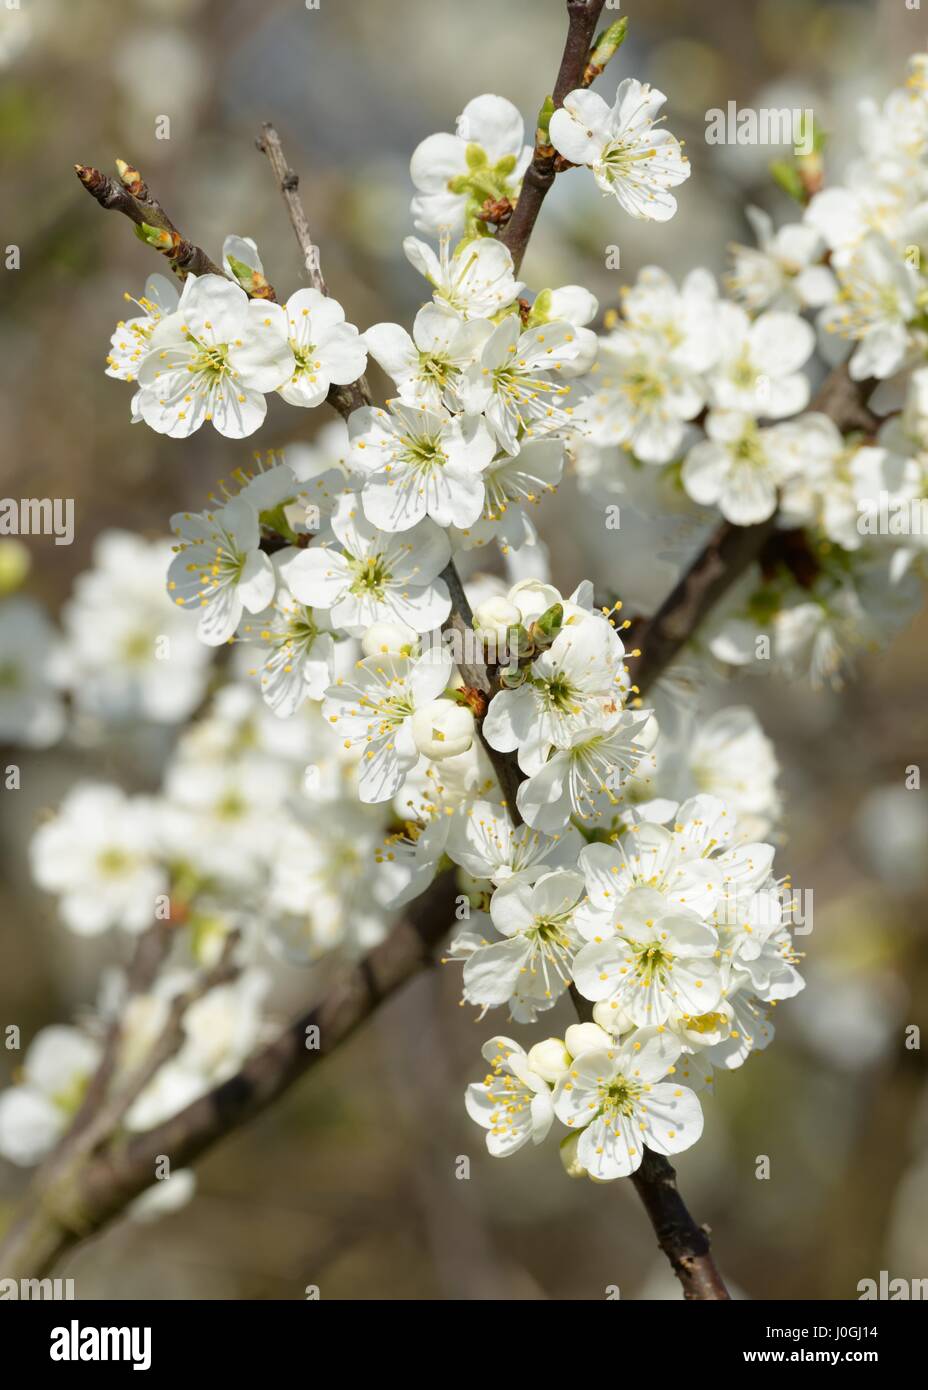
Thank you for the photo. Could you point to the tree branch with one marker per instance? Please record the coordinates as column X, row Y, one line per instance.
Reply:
column 685, row 1244
column 54, row 1221
column 136, row 202
column 731, row 550
column 58, row 1215
column 582, row 18
column 345, row 399
column 476, row 676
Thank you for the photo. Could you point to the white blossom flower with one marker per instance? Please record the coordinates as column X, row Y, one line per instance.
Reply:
column 618, row 1099
column 389, row 637
column 427, row 367
column 56, row 1071
column 692, row 865
column 242, row 250
column 31, row 710
column 657, row 965
column 550, row 1058
column 630, row 156
column 373, row 712
column 514, row 1103
column 220, row 568
column 222, row 1028
column 575, row 779
column 326, row 350
column 641, row 397
column 408, row 862
column 515, row 381
column 323, row 880
column 457, row 174
column 512, row 482
column 682, row 320
column 416, row 463
column 757, row 371
column 374, row 577
column 213, row 359
column 443, row 729
column 297, row 646
column 223, row 816
column 569, row 304
column 784, row 271
column 484, row 841
column 131, row 338
column 476, row 281
column 876, row 303
column 730, row 757
column 739, row 467
column 495, row 617
column 576, row 682
column 128, row 652
column 531, row 967
column 97, row 856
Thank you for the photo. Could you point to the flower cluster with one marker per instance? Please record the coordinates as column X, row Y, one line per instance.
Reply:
column 712, row 393
column 618, row 852
column 214, row 354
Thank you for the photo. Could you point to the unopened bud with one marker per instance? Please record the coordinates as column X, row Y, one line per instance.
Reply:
column 586, row 1037
column 604, row 48
column 495, row 617
column 572, row 1165
column 549, row 1059
column 442, row 729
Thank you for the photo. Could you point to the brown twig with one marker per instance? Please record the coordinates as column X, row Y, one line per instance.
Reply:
column 685, row 1244
column 476, row 677
column 582, row 18
column 51, row 1224
column 345, row 399
column 731, row 550
column 148, row 956
column 58, row 1216
column 141, row 208
column 268, row 143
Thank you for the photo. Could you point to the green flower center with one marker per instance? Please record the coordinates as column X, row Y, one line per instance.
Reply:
column 370, row 576
column 483, row 181
column 749, row 448
column 435, row 368
column 423, row 453
column 113, row 862
column 306, row 361
column 619, row 1097
column 652, row 962
column 559, row 694
column 744, row 373
column 211, row 359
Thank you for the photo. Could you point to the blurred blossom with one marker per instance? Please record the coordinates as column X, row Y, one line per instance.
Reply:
column 16, row 31
column 851, row 1019
column 892, row 829
column 182, row 83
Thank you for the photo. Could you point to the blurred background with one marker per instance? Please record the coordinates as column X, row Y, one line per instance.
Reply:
column 350, row 1184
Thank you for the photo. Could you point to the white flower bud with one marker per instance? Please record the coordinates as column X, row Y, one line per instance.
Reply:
column 496, row 616
column 442, row 729
column 586, row 1037
column 14, row 566
column 614, row 1020
column 388, row 637
column 572, row 1165
column 549, row 1059
column 532, row 598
